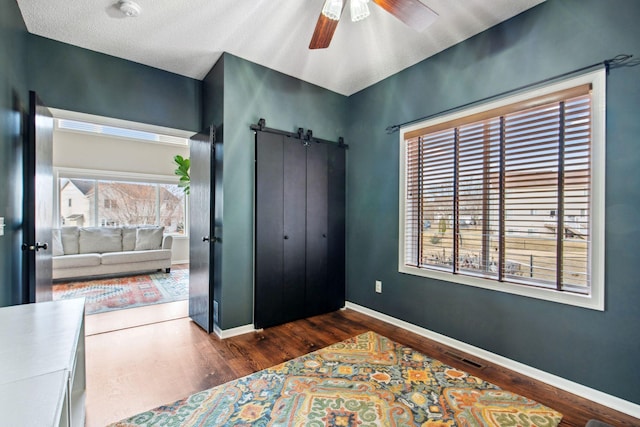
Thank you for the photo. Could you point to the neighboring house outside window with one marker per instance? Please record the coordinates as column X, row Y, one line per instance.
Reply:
column 513, row 192
column 116, row 203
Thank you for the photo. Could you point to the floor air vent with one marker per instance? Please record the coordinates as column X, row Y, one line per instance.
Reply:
column 465, row 360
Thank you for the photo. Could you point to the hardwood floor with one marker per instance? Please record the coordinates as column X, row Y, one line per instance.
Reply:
column 133, row 317
column 135, row 369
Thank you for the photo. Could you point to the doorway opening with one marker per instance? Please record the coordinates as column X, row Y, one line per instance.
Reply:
column 120, row 227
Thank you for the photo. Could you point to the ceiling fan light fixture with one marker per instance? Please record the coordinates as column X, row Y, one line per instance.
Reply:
column 359, row 10
column 332, row 9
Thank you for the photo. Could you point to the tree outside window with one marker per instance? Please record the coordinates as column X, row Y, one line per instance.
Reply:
column 118, row 203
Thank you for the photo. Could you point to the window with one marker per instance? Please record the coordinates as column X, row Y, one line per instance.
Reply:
column 514, row 190
column 118, row 131
column 111, row 203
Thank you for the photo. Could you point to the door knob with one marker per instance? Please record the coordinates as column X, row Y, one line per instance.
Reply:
column 35, row 247
column 286, row 237
column 205, row 239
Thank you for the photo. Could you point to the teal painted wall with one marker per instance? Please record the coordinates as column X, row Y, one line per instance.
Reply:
column 252, row 91
column 13, row 93
column 598, row 349
column 76, row 79
column 213, row 97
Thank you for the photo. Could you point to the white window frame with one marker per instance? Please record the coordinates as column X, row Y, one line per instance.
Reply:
column 73, row 173
column 595, row 299
column 75, row 122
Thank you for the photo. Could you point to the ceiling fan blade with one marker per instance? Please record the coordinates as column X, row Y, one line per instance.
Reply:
column 323, row 33
column 414, row 13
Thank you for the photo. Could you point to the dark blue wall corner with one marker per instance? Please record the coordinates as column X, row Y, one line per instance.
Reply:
column 213, row 114
column 213, row 96
column 251, row 92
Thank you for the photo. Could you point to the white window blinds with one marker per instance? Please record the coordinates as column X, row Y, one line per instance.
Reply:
column 504, row 194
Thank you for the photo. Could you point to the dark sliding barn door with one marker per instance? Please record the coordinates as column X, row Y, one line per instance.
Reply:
column 336, row 231
column 299, row 228
column 317, row 213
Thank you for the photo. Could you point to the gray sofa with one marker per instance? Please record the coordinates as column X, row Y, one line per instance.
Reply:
column 94, row 251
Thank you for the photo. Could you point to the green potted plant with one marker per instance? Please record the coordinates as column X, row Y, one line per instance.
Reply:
column 183, row 172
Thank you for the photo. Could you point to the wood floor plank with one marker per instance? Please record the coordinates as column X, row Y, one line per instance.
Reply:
column 132, row 370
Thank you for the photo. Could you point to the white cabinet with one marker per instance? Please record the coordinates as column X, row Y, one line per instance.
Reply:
column 42, row 364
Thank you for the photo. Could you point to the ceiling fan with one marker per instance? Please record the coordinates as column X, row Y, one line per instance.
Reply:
column 412, row 12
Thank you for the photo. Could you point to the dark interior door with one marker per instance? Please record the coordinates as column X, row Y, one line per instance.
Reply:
column 269, row 230
column 336, row 252
column 299, row 228
column 280, row 230
column 317, row 211
column 201, row 207
column 38, row 203
column 294, row 225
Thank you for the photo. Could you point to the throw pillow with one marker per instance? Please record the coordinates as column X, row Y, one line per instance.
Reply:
column 129, row 237
column 100, row 240
column 57, row 243
column 149, row 238
column 69, row 236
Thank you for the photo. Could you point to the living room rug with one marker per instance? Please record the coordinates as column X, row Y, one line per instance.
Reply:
column 126, row 292
column 367, row 380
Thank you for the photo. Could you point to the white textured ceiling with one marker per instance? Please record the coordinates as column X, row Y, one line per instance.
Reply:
column 188, row 36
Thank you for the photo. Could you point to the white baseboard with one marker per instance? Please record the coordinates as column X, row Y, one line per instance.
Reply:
column 594, row 395
column 228, row 333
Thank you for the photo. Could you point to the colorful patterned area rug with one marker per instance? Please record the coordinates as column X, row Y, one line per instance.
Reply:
column 118, row 293
column 367, row 380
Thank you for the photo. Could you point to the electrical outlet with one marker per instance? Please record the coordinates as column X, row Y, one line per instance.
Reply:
column 378, row 286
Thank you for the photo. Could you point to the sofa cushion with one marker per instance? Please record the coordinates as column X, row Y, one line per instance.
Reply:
column 57, row 249
column 129, row 237
column 149, row 238
column 135, row 256
column 72, row 261
column 69, row 236
column 100, row 240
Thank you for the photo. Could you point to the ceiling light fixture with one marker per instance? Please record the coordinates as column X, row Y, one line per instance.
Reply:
column 332, row 9
column 413, row 13
column 359, row 10
column 130, row 8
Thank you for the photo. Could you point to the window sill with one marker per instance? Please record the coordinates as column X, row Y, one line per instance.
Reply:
column 595, row 301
